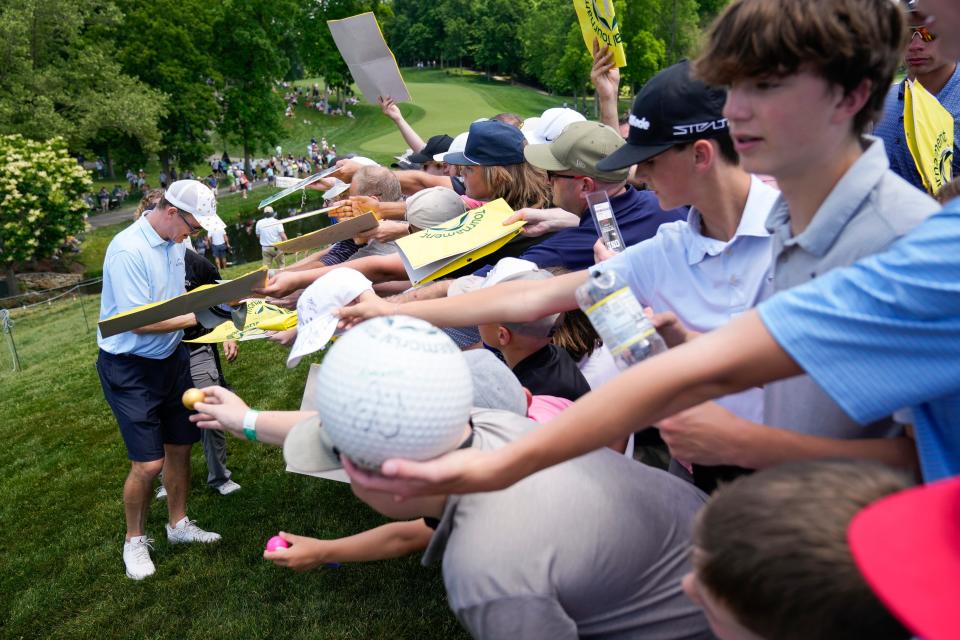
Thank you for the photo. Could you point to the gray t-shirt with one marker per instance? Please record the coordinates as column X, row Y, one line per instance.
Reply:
column 868, row 209
column 594, row 547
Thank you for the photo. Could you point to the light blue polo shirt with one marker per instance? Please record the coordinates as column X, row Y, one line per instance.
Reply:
column 868, row 209
column 705, row 281
column 140, row 267
column 884, row 334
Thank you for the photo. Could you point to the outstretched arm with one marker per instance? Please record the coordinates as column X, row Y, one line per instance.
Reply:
column 392, row 111
column 738, row 356
column 392, row 540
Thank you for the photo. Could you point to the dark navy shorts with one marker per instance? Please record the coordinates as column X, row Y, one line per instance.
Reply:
column 145, row 396
column 219, row 250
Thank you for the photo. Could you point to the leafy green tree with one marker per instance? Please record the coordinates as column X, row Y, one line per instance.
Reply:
column 251, row 63
column 60, row 76
column 41, row 200
column 172, row 51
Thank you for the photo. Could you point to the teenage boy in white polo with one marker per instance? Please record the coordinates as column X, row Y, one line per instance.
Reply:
column 144, row 372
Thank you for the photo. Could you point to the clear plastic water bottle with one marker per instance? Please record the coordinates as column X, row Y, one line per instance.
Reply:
column 618, row 317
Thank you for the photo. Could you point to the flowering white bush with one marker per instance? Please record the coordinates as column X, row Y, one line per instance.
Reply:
column 41, row 198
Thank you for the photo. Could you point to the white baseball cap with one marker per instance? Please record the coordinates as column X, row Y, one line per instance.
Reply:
column 195, row 197
column 316, row 322
column 548, row 126
column 457, row 146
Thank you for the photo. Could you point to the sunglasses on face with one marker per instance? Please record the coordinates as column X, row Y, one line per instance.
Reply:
column 925, row 34
column 192, row 228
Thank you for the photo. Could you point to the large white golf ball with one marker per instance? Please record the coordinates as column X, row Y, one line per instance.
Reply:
column 394, row 387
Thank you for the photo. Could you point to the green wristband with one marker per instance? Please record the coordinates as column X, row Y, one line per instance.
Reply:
column 250, row 424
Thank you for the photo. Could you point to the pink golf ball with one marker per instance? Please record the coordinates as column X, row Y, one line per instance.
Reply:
column 276, row 542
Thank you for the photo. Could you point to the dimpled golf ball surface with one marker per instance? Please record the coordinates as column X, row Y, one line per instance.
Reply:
column 394, row 387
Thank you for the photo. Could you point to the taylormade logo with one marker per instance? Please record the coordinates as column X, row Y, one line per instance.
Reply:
column 639, row 123
column 699, row 127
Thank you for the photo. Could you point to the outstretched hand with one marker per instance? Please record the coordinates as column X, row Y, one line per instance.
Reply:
column 605, row 75
column 283, row 284
column 458, row 472
column 221, row 409
column 543, row 221
column 367, row 305
column 389, row 108
column 303, row 554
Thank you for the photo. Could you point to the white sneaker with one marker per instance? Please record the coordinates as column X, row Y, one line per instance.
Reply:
column 161, row 493
column 136, row 558
column 188, row 531
column 228, row 487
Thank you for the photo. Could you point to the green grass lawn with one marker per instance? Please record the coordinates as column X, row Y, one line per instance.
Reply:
column 61, row 470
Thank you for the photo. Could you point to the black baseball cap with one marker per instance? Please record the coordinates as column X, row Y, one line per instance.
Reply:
column 671, row 109
column 435, row 145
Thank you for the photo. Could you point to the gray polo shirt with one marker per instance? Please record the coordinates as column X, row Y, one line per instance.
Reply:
column 868, row 209
column 594, row 547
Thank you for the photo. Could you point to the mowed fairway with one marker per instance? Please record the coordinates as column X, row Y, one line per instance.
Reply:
column 62, row 465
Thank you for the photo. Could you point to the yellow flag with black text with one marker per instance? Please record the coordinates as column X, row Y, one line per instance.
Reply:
column 929, row 131
column 599, row 21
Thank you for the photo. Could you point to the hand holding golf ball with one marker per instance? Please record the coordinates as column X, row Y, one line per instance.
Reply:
column 192, row 397
column 276, row 543
column 219, row 409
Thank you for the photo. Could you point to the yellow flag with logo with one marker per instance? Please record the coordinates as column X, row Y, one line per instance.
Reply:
column 929, row 131
column 260, row 318
column 598, row 20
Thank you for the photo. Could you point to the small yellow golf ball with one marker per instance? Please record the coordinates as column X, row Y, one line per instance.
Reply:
column 192, row 397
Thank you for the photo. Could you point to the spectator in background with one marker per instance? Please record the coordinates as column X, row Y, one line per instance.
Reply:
column 939, row 75
column 104, row 197
column 219, row 245
column 270, row 232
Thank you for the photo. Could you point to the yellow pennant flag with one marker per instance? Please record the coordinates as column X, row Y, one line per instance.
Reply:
column 261, row 317
column 598, row 21
column 929, row 131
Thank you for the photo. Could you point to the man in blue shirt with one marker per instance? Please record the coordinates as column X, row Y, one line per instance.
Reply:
column 144, row 372
column 939, row 74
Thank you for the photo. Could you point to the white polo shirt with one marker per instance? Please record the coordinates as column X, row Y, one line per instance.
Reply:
column 706, row 282
column 268, row 231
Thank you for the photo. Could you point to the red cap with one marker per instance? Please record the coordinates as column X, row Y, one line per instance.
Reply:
column 908, row 548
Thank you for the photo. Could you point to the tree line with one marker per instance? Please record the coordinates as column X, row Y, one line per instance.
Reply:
column 123, row 79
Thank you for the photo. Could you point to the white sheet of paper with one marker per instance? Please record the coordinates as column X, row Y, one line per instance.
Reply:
column 368, row 57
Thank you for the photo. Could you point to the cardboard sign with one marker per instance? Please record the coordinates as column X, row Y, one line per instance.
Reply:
column 328, row 235
column 368, row 57
column 437, row 251
column 598, row 20
column 202, row 297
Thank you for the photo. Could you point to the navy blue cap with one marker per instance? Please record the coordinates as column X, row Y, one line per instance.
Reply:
column 490, row 143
